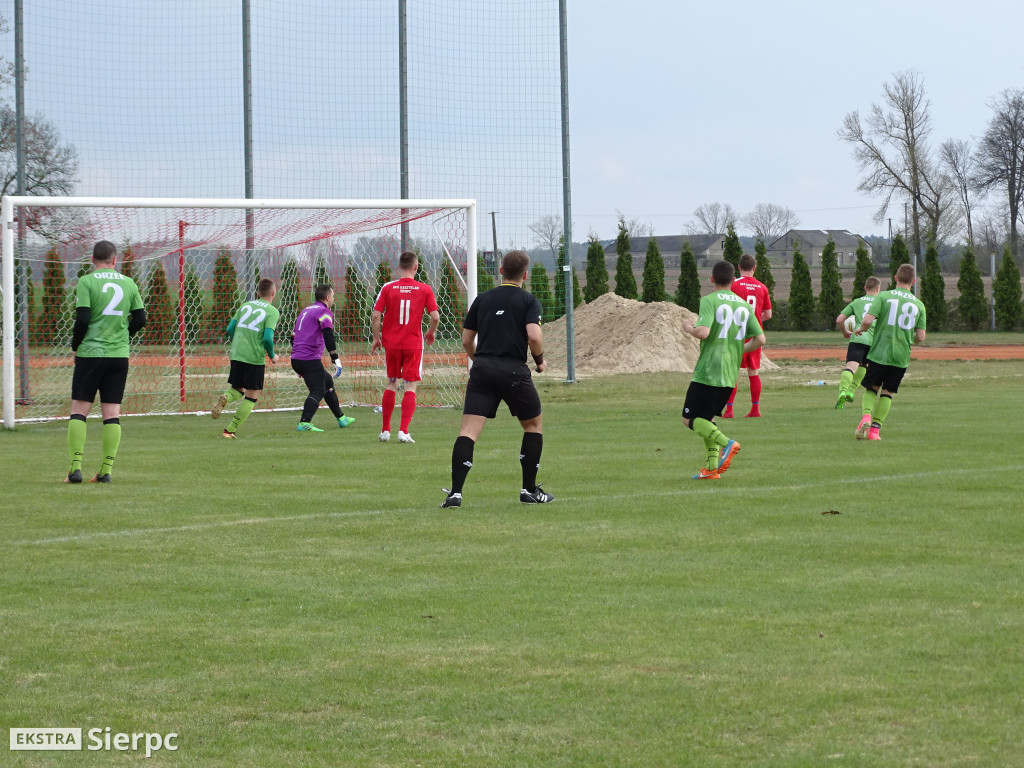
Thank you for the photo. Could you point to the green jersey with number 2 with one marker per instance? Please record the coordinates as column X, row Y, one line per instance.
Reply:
column 111, row 297
column 898, row 314
column 731, row 321
column 250, row 321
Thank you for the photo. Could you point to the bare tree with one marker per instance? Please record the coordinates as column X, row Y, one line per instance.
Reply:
column 635, row 227
column 1000, row 155
column 50, row 165
column 548, row 231
column 712, row 219
column 958, row 163
column 990, row 234
column 768, row 221
column 893, row 154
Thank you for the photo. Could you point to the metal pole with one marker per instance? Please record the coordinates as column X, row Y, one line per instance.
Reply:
column 7, row 236
column 403, row 115
column 250, row 223
column 992, row 289
column 494, row 239
column 19, row 149
column 570, row 346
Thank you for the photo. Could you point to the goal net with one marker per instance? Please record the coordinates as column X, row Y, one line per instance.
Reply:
column 195, row 261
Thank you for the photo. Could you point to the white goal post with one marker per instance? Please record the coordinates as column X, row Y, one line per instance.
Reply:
column 195, row 260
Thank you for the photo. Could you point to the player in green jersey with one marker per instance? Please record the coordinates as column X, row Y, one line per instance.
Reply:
column 108, row 311
column 724, row 321
column 857, row 350
column 901, row 322
column 251, row 331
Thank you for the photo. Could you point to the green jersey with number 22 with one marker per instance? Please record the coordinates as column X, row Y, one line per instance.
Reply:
column 898, row 314
column 111, row 297
column 252, row 318
column 731, row 321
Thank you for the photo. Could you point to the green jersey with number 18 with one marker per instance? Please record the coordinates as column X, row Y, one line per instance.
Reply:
column 731, row 321
column 111, row 297
column 857, row 309
column 898, row 314
column 252, row 318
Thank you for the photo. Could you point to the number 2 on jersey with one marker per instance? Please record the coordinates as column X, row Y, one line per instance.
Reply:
column 111, row 308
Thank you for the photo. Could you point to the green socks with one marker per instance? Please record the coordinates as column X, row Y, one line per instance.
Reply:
column 858, row 377
column 846, row 380
column 882, row 409
column 709, row 432
column 76, row 441
column 241, row 414
column 111, row 441
column 867, row 404
column 233, row 395
column 712, row 454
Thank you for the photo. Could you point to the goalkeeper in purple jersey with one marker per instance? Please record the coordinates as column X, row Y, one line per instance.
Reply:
column 724, row 321
column 314, row 333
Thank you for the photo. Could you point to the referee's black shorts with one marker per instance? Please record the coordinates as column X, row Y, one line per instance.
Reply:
column 246, row 375
column 492, row 381
column 704, row 401
column 106, row 375
column 888, row 377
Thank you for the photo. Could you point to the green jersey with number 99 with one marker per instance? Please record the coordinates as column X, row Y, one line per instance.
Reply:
column 251, row 320
column 731, row 321
column 111, row 297
column 898, row 314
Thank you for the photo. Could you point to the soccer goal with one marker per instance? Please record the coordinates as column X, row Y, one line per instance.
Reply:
column 195, row 261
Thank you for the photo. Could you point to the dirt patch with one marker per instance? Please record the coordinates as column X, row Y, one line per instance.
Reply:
column 979, row 352
column 617, row 335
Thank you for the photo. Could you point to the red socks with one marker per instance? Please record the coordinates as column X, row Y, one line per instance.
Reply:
column 387, row 403
column 408, row 409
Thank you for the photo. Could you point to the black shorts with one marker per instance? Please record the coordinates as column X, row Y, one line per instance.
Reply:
column 106, row 375
column 491, row 382
column 318, row 380
column 704, row 401
column 857, row 353
column 886, row 376
column 245, row 375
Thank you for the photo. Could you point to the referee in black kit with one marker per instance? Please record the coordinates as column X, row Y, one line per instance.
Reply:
column 502, row 323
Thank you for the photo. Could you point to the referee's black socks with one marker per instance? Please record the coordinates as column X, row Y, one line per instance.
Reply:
column 529, row 458
column 462, row 461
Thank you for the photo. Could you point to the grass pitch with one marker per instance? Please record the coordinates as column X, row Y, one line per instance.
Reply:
column 292, row 599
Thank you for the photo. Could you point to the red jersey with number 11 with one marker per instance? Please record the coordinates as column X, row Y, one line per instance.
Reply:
column 755, row 293
column 402, row 302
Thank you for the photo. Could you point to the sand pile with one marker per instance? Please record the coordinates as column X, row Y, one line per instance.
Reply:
column 617, row 335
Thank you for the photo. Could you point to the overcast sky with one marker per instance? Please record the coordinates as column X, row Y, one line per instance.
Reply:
column 676, row 104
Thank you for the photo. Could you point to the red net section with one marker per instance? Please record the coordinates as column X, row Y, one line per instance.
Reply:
column 194, row 266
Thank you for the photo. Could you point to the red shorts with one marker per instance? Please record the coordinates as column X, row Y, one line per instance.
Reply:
column 751, row 360
column 404, row 364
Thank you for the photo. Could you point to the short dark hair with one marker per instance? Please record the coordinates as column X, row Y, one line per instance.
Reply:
column 514, row 264
column 264, row 286
column 747, row 262
column 723, row 273
column 104, row 251
column 321, row 291
column 872, row 284
column 905, row 274
column 407, row 260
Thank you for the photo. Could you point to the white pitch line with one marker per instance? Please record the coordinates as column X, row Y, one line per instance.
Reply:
column 696, row 488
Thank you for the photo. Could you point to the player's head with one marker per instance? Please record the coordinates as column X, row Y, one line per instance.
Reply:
column 324, row 293
column 514, row 265
column 266, row 288
column 872, row 285
column 905, row 275
column 104, row 252
column 408, row 261
column 722, row 274
column 747, row 264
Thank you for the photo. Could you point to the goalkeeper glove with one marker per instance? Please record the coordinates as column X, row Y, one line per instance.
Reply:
column 337, row 368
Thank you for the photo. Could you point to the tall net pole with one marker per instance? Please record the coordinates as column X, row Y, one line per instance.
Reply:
column 403, row 112
column 570, row 267
column 250, row 234
column 19, row 141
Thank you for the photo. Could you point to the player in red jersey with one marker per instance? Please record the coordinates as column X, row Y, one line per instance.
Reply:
column 401, row 303
column 756, row 295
